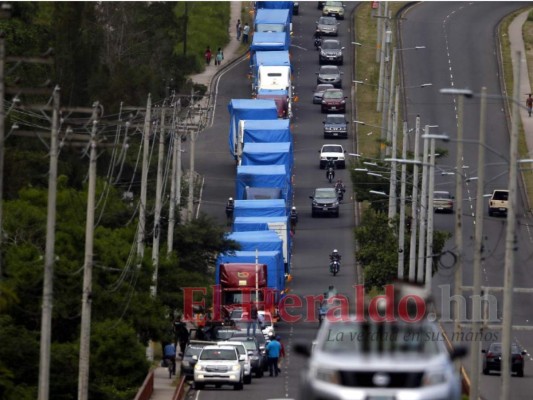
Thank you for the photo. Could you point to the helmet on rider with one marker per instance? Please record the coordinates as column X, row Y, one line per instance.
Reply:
column 293, row 208
column 335, row 251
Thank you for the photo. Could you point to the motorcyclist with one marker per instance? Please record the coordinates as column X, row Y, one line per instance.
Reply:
column 318, row 39
column 230, row 206
column 339, row 186
column 335, row 256
column 330, row 169
column 293, row 218
column 331, row 292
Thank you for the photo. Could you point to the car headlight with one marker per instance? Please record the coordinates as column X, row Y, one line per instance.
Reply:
column 434, row 378
column 236, row 367
column 199, row 367
column 327, row 375
column 336, row 203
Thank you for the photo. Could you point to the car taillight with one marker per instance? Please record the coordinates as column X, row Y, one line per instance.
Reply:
column 490, row 355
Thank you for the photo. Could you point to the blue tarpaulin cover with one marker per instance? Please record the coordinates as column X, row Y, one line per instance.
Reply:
column 272, row 176
column 260, row 208
column 268, row 154
column 267, row 131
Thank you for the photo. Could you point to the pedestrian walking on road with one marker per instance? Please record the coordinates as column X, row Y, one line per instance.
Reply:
column 239, row 29
column 219, row 57
column 273, row 350
column 207, row 55
column 252, row 319
column 245, row 32
column 529, row 104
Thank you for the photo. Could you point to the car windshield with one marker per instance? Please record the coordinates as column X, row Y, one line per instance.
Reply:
column 334, row 3
column 333, row 94
column 218, row 354
column 441, row 195
column 327, row 21
column 331, row 149
column 328, row 69
column 325, row 193
column 323, row 87
column 236, row 314
column 331, row 45
column 335, row 119
column 192, row 351
column 240, row 348
column 250, row 345
column 372, row 338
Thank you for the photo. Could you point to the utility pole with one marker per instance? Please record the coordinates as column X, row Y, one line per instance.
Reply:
column 49, row 257
column 173, row 187
column 423, row 212
column 392, row 188
column 429, row 243
column 478, row 250
column 390, row 114
column 158, row 191
column 403, row 178
column 510, row 240
column 85, row 336
column 141, row 230
column 379, row 48
column 458, row 275
column 2, row 148
column 190, row 202
column 385, row 28
column 414, row 205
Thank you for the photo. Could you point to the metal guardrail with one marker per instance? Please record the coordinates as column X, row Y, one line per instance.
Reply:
column 147, row 388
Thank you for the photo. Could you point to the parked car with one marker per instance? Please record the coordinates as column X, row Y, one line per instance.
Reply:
column 327, row 26
column 258, row 358
column 259, row 337
column 373, row 360
column 336, row 125
column 333, row 152
column 246, row 363
column 219, row 365
column 442, row 201
column 499, row 202
column 492, row 359
column 333, row 100
column 333, row 9
column 330, row 52
column 193, row 348
column 330, row 74
column 324, row 201
column 319, row 92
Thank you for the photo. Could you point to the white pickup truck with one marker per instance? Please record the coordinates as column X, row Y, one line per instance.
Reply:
column 499, row 202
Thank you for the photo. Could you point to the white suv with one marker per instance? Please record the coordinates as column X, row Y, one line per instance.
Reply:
column 219, row 365
column 334, row 152
column 246, row 363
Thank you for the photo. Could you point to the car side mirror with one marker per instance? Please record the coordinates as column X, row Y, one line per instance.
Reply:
column 242, row 357
column 311, row 197
column 195, row 358
column 458, row 352
column 302, row 349
column 324, row 122
column 483, row 351
column 523, row 353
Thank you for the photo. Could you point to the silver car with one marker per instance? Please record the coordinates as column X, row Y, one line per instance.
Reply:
column 319, row 92
column 370, row 360
column 330, row 74
column 327, row 26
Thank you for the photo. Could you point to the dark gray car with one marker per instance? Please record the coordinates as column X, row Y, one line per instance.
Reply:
column 330, row 74
column 336, row 125
column 318, row 94
column 194, row 348
column 324, row 201
column 327, row 26
column 331, row 52
column 257, row 355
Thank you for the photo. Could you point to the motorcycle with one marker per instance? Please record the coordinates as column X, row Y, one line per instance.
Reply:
column 318, row 43
column 340, row 194
column 330, row 174
column 334, row 267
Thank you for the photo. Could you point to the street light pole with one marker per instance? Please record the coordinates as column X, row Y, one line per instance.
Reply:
column 401, row 236
column 429, row 243
column 392, row 188
column 423, row 212
column 510, row 240
column 414, row 205
column 478, row 249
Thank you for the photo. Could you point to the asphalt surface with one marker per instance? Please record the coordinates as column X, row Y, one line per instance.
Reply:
column 315, row 237
column 462, row 53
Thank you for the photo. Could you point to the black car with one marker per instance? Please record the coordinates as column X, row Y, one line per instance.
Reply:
column 258, row 356
column 336, row 125
column 331, row 52
column 194, row 347
column 324, row 201
column 492, row 359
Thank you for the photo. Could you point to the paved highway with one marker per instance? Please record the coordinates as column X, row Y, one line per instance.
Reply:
column 315, row 237
column 462, row 52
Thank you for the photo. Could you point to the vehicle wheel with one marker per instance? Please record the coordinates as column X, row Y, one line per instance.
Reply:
column 520, row 373
column 337, row 214
column 248, row 379
column 198, row 386
column 490, row 213
column 485, row 371
column 218, row 386
column 238, row 386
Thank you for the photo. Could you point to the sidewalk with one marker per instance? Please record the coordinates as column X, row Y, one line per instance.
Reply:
column 230, row 51
column 517, row 44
